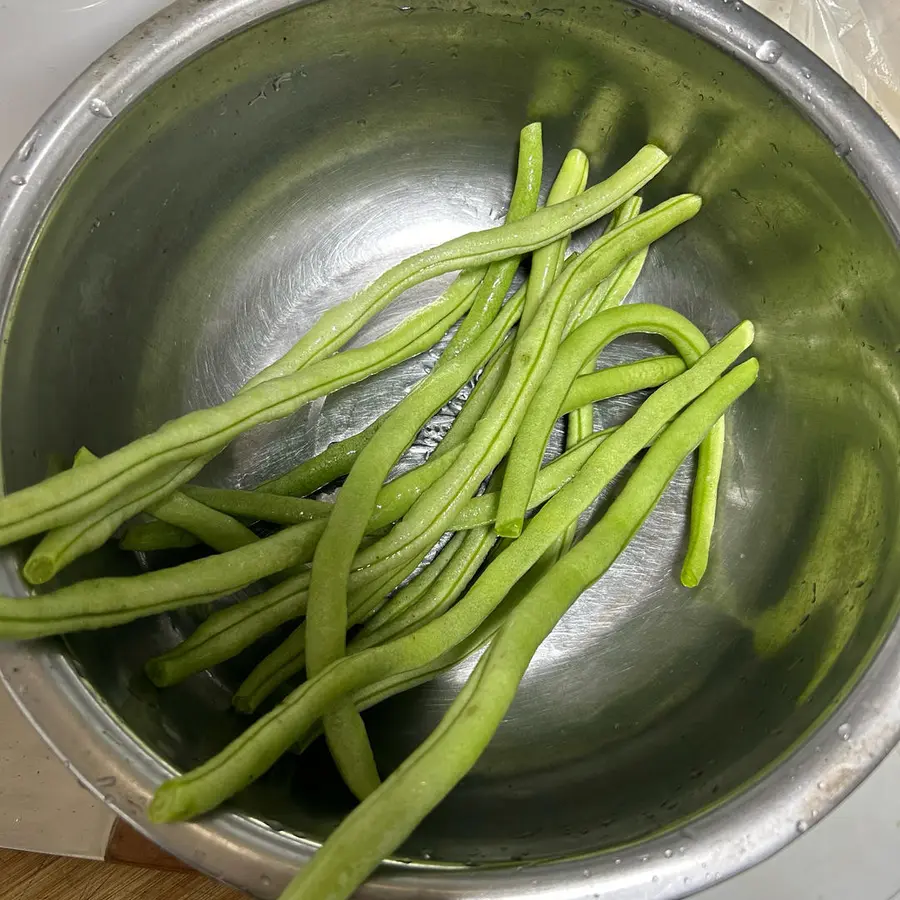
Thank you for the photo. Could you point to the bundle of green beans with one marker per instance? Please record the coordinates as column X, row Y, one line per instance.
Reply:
column 371, row 617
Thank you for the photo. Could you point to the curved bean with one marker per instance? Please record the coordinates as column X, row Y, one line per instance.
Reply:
column 63, row 545
column 251, row 754
column 582, row 344
column 378, row 826
column 327, row 609
column 104, row 602
column 130, row 493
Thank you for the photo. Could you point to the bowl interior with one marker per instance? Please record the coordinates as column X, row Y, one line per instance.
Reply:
column 289, row 165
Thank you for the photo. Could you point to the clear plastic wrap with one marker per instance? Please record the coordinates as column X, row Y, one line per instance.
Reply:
column 858, row 38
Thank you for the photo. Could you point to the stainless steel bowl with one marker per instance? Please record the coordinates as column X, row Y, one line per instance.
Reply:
column 196, row 199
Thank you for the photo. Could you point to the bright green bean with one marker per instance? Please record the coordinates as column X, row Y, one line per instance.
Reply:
column 601, row 385
column 104, row 602
column 582, row 344
column 327, row 609
column 229, row 631
column 378, row 826
column 546, row 262
column 63, row 545
column 70, row 495
column 500, row 274
column 251, row 754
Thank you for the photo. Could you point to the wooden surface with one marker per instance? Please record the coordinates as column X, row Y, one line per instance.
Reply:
column 32, row 876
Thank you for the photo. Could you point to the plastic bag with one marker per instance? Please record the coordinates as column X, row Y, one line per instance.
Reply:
column 860, row 39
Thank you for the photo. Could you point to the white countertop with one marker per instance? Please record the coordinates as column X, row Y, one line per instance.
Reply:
column 850, row 855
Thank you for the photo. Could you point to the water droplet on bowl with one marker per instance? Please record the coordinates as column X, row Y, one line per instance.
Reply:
column 655, row 878
column 265, row 881
column 769, row 52
column 27, row 149
column 618, row 862
column 586, row 873
column 842, row 151
column 802, row 826
column 100, row 109
column 805, row 72
column 18, row 180
column 844, row 731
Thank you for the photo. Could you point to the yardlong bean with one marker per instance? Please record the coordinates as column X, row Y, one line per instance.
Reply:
column 327, row 608
column 229, row 631
column 500, row 274
column 377, row 827
column 69, row 495
column 251, row 754
column 547, row 262
column 104, row 602
column 63, row 545
column 582, row 344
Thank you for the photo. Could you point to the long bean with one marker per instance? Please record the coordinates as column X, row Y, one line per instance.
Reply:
column 613, row 290
column 104, row 602
column 63, row 545
column 286, row 510
column 546, row 262
column 251, row 754
column 142, row 490
column 500, row 274
column 377, row 827
column 581, row 345
column 337, row 459
column 327, row 609
column 75, row 493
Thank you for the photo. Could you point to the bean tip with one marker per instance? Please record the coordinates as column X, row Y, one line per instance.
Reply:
column 38, row 569
column 509, row 528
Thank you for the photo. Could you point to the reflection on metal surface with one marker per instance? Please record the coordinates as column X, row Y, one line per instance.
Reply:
column 201, row 230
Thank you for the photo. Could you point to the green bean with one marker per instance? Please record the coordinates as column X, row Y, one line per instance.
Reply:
column 62, row 545
column 583, row 344
column 609, row 293
column 477, row 402
column 104, row 602
column 70, row 495
column 547, row 261
column 232, row 629
column 625, row 378
column 532, row 358
column 145, row 537
column 500, row 274
column 260, row 504
column 372, row 695
column 251, row 754
column 327, row 610
column 288, row 658
column 378, row 826
column 613, row 290
column 440, row 596
column 410, row 594
column 337, row 459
